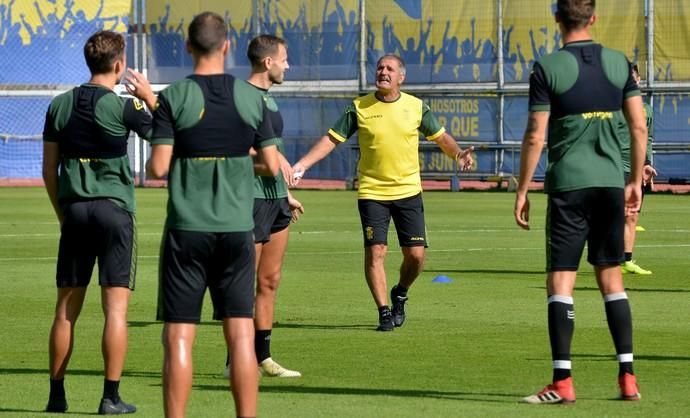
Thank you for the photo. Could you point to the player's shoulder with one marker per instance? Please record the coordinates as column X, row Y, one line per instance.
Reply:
column 366, row 100
column 410, row 100
column 62, row 99
column 181, row 90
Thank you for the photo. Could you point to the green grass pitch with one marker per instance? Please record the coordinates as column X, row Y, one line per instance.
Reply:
column 470, row 348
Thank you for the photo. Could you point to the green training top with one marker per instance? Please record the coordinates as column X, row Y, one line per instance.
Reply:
column 91, row 125
column 212, row 121
column 272, row 187
column 624, row 133
column 583, row 86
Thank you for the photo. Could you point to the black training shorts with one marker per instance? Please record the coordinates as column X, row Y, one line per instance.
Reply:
column 97, row 230
column 270, row 216
column 408, row 217
column 595, row 216
column 192, row 261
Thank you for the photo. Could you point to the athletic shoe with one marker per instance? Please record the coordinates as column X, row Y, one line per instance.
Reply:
column 108, row 407
column 639, row 228
column 270, row 368
column 398, row 308
column 57, row 405
column 632, row 268
column 629, row 389
column 386, row 320
column 561, row 391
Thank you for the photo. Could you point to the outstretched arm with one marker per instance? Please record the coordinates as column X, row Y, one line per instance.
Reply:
column 318, row 152
column 451, row 148
column 532, row 145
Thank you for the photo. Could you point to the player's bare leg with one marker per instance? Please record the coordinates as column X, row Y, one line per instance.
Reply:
column 412, row 265
column 67, row 309
column 375, row 273
column 178, row 339
column 244, row 376
column 114, row 343
column 410, row 268
column 630, row 231
column 374, row 270
column 269, row 261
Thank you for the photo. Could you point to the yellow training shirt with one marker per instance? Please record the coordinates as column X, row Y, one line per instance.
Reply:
column 388, row 133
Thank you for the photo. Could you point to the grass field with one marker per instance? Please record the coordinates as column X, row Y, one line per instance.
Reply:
column 470, row 348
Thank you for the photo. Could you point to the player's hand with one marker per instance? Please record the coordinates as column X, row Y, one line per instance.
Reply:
column 633, row 199
column 295, row 207
column 522, row 210
column 464, row 159
column 138, row 86
column 287, row 171
column 648, row 173
column 297, row 174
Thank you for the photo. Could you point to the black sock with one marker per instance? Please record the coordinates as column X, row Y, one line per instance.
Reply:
column 628, row 256
column 57, row 388
column 561, row 315
column 383, row 309
column 399, row 290
column 111, row 390
column 619, row 319
column 227, row 359
column 262, row 344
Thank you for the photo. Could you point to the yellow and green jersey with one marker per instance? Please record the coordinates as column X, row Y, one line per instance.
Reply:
column 388, row 134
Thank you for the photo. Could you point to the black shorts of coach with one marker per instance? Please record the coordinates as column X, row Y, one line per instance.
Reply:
column 97, row 230
column 192, row 261
column 595, row 216
column 270, row 216
column 408, row 217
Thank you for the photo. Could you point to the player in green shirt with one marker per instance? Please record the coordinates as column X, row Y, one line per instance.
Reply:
column 274, row 206
column 587, row 194
column 648, row 173
column 204, row 128
column 90, row 185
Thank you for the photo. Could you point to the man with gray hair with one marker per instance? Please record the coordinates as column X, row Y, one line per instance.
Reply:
column 388, row 123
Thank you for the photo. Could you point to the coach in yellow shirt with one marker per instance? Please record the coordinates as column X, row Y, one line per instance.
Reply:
column 388, row 123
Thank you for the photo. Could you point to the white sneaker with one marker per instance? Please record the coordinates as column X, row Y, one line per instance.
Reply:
column 270, row 368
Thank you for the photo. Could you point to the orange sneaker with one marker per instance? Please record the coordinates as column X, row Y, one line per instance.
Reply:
column 630, row 391
column 561, row 391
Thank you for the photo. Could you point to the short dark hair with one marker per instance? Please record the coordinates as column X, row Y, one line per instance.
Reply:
column 207, row 32
column 102, row 49
column 263, row 46
column 401, row 63
column 575, row 14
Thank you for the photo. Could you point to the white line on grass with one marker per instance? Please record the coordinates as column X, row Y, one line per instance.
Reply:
column 445, row 250
column 433, row 231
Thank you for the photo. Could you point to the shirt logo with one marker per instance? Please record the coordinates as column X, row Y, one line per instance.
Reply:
column 137, row 104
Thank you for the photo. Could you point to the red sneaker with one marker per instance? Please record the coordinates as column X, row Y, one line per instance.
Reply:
column 561, row 391
column 630, row 391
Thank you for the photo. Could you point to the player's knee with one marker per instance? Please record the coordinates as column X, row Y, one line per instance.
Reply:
column 268, row 282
